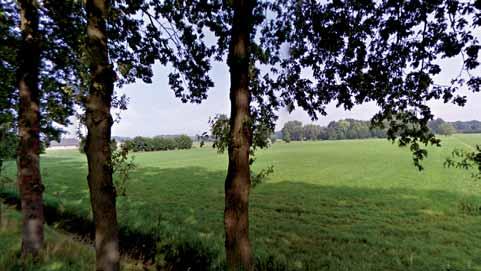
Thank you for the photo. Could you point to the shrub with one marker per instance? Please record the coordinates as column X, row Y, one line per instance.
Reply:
column 158, row 143
column 183, row 142
column 122, row 166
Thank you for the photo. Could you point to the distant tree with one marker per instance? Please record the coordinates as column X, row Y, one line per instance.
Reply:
column 473, row 126
column 446, row 129
column 311, row 131
column 183, row 142
column 158, row 143
column 363, row 130
column 441, row 127
column 294, row 129
column 323, row 133
column 170, row 143
column 379, row 132
column 332, row 134
column 273, row 138
column 352, row 132
column 434, row 125
column 286, row 136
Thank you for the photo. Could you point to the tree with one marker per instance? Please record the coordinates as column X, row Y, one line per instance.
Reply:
column 348, row 52
column 261, row 137
column 286, row 136
column 252, row 93
column 97, row 147
column 127, row 39
column 446, row 129
column 389, row 55
column 473, row 126
column 323, row 133
column 29, row 178
column 311, row 131
column 435, row 124
column 34, row 94
column 295, row 130
column 183, row 142
column 351, row 52
column 238, row 181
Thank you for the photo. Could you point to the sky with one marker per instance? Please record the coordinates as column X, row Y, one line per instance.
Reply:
column 154, row 110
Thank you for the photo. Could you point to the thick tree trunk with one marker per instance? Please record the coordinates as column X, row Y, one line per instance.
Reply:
column 237, row 183
column 29, row 179
column 99, row 123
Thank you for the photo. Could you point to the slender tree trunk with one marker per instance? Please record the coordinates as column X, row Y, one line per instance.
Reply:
column 237, row 183
column 97, row 147
column 29, row 179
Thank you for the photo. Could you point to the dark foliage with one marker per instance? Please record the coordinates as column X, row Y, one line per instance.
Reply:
column 387, row 52
column 55, row 79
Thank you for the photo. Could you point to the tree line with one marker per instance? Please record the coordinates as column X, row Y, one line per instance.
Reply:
column 64, row 57
column 359, row 129
column 158, row 143
column 467, row 127
column 335, row 130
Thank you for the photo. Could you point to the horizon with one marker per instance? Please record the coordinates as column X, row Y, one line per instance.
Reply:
column 74, row 136
column 153, row 108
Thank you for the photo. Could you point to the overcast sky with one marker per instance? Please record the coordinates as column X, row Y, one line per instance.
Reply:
column 154, row 110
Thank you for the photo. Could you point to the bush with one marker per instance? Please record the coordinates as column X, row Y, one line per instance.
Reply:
column 183, row 142
column 122, row 166
column 158, row 143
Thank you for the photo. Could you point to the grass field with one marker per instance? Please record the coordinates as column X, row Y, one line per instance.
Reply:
column 331, row 205
column 61, row 252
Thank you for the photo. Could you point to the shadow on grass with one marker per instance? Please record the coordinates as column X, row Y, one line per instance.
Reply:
column 322, row 218
column 134, row 244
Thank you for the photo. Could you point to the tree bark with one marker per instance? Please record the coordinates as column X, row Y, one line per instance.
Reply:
column 237, row 183
column 99, row 122
column 28, row 153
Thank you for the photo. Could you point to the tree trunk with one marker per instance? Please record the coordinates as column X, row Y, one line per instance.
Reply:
column 97, row 147
column 29, row 179
column 237, row 183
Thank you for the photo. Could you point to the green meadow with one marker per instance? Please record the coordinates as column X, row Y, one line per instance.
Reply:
column 329, row 205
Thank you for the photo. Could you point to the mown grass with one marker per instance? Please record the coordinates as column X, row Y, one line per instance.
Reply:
column 332, row 205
